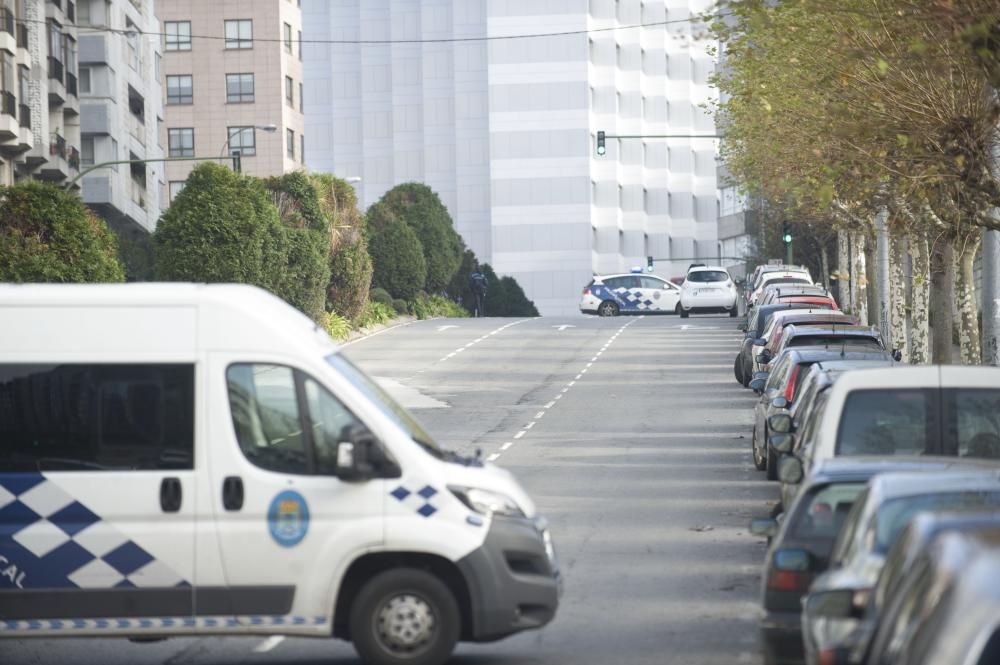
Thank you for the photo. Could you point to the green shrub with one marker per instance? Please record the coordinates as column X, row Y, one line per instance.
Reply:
column 374, row 313
column 429, row 306
column 336, row 325
column 504, row 296
column 304, row 280
column 221, row 227
column 458, row 289
column 48, row 235
column 380, row 295
column 297, row 201
column 350, row 275
column 397, row 256
column 400, row 306
column 421, row 209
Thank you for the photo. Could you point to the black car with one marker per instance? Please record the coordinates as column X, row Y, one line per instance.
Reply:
column 800, row 546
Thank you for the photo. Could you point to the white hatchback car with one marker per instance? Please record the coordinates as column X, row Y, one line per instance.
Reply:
column 708, row 289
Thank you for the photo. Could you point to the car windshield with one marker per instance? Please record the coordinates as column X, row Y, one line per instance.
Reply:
column 838, row 341
column 385, row 403
column 896, row 513
column 822, row 512
column 786, row 280
column 886, row 422
column 702, row 276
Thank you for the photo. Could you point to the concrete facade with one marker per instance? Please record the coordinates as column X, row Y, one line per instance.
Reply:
column 504, row 129
column 39, row 104
column 263, row 42
column 121, row 110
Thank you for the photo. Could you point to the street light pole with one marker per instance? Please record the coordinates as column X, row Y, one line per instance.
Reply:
column 268, row 127
column 102, row 165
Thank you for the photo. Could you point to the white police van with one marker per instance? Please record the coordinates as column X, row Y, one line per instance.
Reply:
column 190, row 460
column 630, row 293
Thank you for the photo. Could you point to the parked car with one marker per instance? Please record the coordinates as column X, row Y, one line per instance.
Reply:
column 708, row 289
column 790, row 275
column 912, row 410
column 800, row 544
column 629, row 293
column 778, row 392
column 904, row 554
column 844, row 337
column 880, row 512
column 757, row 320
column 772, row 293
column 947, row 607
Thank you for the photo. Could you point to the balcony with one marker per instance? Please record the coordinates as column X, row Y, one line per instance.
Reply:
column 70, row 11
column 8, row 33
column 55, row 69
column 22, row 35
column 57, row 89
column 57, row 146
column 56, row 168
column 9, row 129
column 138, row 193
column 24, row 115
column 71, row 84
column 74, row 159
column 137, row 129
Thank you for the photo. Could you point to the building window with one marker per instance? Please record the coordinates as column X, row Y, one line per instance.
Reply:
column 239, row 88
column 239, row 33
column 84, row 80
column 287, row 33
column 174, row 188
column 300, row 45
column 302, row 99
column 178, row 34
column 289, row 91
column 83, row 13
column 290, row 143
column 180, row 89
column 243, row 139
column 86, row 151
column 302, row 148
column 181, row 142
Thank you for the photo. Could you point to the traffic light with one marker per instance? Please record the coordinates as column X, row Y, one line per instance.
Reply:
column 600, row 143
column 786, row 233
column 649, row 263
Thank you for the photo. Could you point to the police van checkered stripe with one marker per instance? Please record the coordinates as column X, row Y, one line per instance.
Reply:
column 159, row 624
column 60, row 543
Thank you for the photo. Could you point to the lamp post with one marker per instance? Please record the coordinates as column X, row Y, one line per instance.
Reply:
column 268, row 127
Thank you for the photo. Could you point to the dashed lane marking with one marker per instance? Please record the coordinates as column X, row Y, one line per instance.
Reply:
column 269, row 644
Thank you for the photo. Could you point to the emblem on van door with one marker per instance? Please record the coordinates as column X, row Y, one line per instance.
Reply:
column 288, row 518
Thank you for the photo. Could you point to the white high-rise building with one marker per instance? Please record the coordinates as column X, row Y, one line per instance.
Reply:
column 504, row 128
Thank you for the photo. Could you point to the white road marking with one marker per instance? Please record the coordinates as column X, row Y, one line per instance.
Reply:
column 529, row 426
column 563, row 327
column 477, row 341
column 269, row 644
column 519, row 434
column 443, row 328
column 579, row 376
column 506, row 445
column 571, row 384
column 559, row 396
column 539, row 415
column 493, row 457
column 550, row 405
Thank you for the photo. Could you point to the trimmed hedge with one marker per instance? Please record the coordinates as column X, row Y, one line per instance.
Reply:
column 418, row 206
column 48, row 235
column 397, row 256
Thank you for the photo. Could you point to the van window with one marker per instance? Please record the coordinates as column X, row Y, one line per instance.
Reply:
column 330, row 423
column 266, row 417
column 972, row 422
column 89, row 417
column 888, row 422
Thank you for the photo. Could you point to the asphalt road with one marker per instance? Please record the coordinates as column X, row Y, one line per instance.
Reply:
column 632, row 437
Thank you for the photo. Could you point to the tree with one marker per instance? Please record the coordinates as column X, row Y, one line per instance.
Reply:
column 396, row 253
column 48, row 235
column 350, row 275
column 419, row 207
column 504, row 296
column 459, row 289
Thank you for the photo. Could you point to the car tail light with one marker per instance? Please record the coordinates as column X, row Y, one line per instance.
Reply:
column 790, row 388
column 586, row 291
column 834, row 656
column 789, row 580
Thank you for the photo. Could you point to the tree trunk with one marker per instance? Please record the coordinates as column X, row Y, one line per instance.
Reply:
column 844, row 271
column 919, row 346
column 871, row 281
column 824, row 264
column 859, row 278
column 965, row 291
column 897, row 294
column 942, row 300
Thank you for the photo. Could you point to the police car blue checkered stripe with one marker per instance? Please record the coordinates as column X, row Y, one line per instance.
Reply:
column 160, row 624
column 627, row 299
column 54, row 541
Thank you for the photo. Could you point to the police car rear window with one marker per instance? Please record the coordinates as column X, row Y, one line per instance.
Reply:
column 90, row 417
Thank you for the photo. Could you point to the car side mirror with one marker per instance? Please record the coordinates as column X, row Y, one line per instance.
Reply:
column 783, row 443
column 837, row 603
column 757, row 384
column 359, row 455
column 764, row 357
column 779, row 402
column 790, row 470
column 742, row 327
column 760, row 341
column 766, row 527
column 781, row 423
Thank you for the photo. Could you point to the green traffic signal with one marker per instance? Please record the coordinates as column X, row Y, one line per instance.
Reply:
column 787, row 237
column 600, row 143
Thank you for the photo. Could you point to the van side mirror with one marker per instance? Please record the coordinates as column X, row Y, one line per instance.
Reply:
column 790, row 470
column 359, row 455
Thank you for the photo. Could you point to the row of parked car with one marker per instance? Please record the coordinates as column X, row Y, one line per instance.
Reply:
column 884, row 547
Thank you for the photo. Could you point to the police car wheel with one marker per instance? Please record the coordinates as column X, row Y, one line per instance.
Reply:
column 405, row 616
column 608, row 308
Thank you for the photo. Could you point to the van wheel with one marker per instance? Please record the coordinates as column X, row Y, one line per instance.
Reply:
column 405, row 616
column 677, row 309
column 608, row 308
column 684, row 313
column 733, row 312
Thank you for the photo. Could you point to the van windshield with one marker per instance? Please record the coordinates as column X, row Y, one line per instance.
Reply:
column 385, row 403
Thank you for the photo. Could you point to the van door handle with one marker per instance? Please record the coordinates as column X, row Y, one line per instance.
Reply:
column 232, row 493
column 170, row 495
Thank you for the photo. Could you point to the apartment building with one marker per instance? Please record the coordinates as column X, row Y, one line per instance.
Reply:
column 39, row 104
column 232, row 76
column 504, row 128
column 121, row 109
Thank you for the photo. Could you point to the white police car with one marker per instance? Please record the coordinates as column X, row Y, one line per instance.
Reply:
column 201, row 460
column 629, row 293
column 708, row 289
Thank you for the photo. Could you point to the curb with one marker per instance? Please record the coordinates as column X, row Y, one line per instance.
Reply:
column 359, row 335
